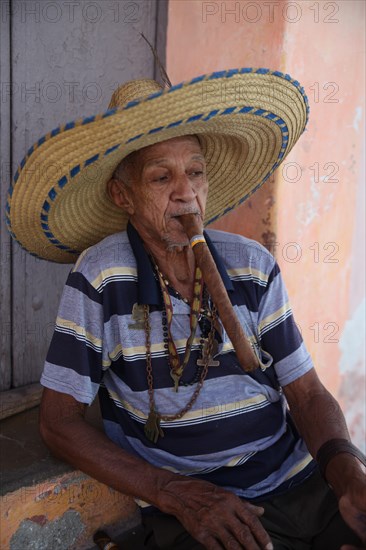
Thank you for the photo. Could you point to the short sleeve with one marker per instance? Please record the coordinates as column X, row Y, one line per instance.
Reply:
column 74, row 363
column 278, row 332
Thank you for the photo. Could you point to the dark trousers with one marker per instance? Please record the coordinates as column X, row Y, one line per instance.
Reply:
column 305, row 518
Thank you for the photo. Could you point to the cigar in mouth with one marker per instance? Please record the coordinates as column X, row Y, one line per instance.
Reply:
column 247, row 358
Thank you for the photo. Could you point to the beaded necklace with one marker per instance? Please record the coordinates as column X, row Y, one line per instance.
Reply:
column 177, row 369
column 152, row 427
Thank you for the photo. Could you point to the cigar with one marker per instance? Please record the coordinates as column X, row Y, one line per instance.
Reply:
column 246, row 356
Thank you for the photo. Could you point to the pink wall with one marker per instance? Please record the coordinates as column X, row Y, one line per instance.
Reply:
column 317, row 224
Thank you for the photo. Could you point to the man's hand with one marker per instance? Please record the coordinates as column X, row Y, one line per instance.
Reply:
column 352, row 506
column 213, row 516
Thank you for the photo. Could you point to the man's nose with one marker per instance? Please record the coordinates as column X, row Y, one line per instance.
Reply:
column 184, row 189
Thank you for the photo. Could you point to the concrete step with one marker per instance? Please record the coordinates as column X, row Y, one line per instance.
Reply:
column 45, row 504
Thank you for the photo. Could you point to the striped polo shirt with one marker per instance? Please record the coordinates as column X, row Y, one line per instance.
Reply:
column 238, row 434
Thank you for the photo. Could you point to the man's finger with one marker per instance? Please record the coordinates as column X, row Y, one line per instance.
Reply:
column 256, row 528
column 210, row 543
column 236, row 538
column 257, row 510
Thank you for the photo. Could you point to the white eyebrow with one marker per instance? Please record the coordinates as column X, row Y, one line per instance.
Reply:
column 162, row 160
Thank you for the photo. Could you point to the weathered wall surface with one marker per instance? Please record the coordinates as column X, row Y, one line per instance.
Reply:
column 60, row 61
column 66, row 61
column 312, row 216
column 327, row 217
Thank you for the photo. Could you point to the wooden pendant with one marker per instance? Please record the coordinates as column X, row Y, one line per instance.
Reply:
column 176, row 377
column 138, row 317
column 152, row 427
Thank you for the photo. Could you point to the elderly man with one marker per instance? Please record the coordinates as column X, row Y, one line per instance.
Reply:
column 209, row 449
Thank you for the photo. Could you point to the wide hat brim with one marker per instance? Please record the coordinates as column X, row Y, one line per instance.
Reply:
column 247, row 121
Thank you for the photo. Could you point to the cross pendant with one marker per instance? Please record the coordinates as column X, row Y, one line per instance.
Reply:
column 211, row 361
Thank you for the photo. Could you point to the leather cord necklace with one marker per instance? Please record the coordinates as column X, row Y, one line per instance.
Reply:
column 152, row 427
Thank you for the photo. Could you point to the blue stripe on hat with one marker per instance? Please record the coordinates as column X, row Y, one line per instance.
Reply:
column 217, row 74
column 228, row 111
column 246, row 110
column 194, row 117
column 62, row 182
column 155, row 130
column 153, row 96
column 91, row 160
column 175, row 87
column 109, row 112
column 231, row 72
column 69, row 125
column 88, row 119
column 52, row 194
column 74, row 171
column 197, row 79
column 131, row 104
column 111, row 149
column 135, row 137
column 176, row 123
column 211, row 114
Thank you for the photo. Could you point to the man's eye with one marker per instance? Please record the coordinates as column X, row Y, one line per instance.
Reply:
column 160, row 178
column 197, row 173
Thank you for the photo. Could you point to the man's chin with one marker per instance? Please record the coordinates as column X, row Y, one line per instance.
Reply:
column 175, row 242
column 177, row 247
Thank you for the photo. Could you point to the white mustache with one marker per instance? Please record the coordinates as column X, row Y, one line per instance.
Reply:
column 185, row 211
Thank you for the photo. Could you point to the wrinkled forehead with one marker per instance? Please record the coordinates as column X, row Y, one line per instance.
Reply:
column 182, row 143
column 132, row 166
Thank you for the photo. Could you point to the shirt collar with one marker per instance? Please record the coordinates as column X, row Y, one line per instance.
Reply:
column 148, row 287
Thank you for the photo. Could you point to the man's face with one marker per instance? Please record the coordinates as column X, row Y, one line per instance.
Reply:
column 165, row 181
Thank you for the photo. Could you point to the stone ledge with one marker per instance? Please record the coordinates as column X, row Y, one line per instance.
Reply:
column 46, row 504
column 24, row 458
column 63, row 513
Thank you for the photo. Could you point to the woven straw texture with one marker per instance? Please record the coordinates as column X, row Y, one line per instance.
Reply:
column 247, row 121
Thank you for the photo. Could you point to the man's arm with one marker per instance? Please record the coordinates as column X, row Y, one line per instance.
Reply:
column 213, row 516
column 319, row 418
column 75, row 441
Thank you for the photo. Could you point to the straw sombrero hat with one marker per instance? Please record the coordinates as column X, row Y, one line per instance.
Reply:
column 247, row 121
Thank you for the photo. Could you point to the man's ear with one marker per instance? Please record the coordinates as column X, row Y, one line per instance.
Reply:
column 121, row 195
